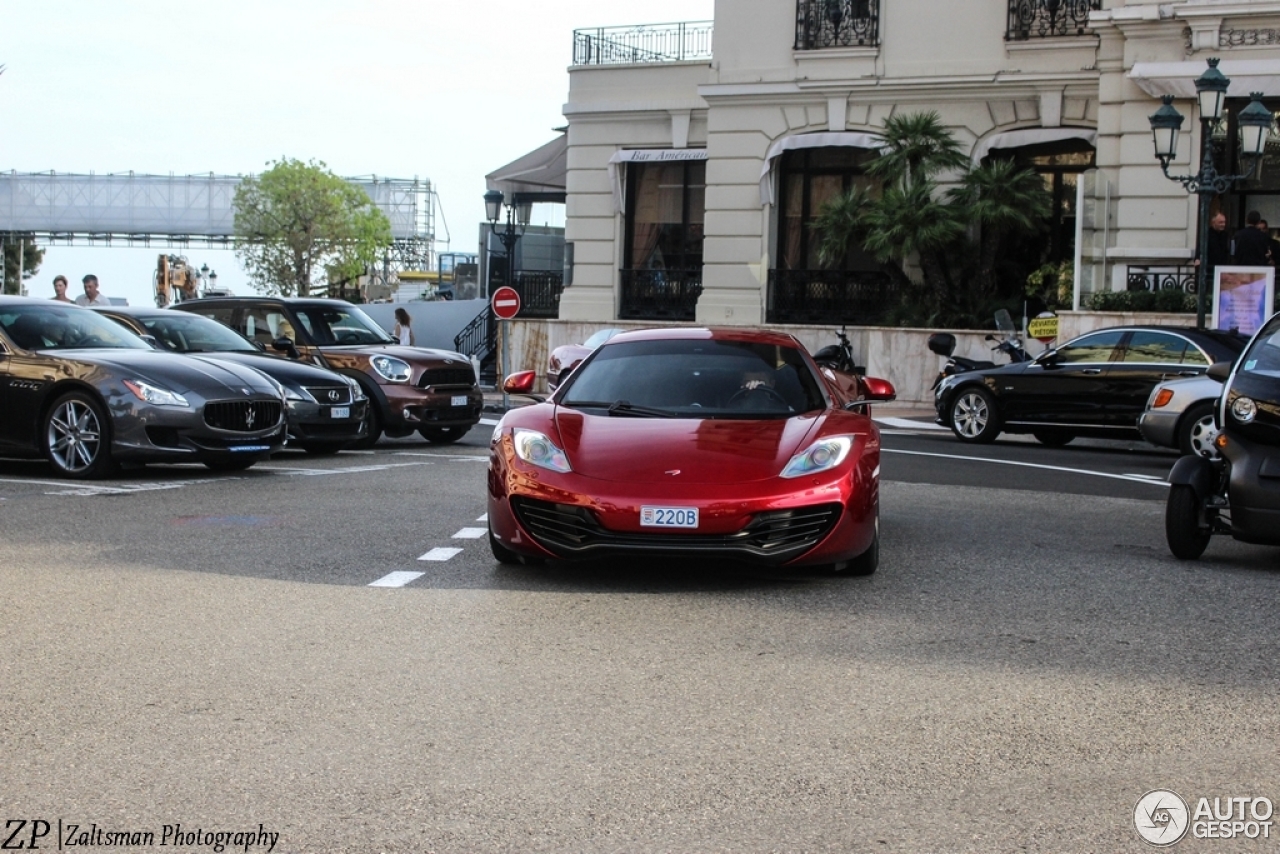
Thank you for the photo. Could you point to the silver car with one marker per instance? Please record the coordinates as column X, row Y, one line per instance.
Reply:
column 1179, row 414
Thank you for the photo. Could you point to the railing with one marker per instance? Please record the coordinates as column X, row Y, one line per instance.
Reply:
column 478, row 337
column 660, row 294
column 837, row 23
column 647, row 43
column 1182, row 278
column 539, row 293
column 1041, row 19
column 829, row 296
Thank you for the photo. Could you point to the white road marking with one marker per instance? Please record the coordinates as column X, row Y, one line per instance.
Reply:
column 343, row 470
column 467, row 459
column 484, row 517
column 1128, row 477
column 470, row 533
column 909, row 424
column 399, row 578
column 440, row 553
column 489, row 422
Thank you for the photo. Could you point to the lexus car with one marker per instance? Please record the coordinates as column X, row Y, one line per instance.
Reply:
column 88, row 394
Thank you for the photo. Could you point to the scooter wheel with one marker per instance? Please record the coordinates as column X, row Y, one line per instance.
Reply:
column 1187, row 540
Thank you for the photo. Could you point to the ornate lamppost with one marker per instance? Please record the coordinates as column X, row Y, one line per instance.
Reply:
column 1255, row 126
column 517, row 221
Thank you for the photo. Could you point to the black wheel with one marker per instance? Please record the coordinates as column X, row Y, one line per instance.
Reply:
column 375, row 430
column 442, row 435
column 1196, row 431
column 867, row 562
column 229, row 463
column 1053, row 438
column 77, row 437
column 973, row 415
column 1187, row 540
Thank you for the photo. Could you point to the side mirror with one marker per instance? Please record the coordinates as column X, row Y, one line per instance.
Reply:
column 1220, row 371
column 152, row 340
column 1048, row 357
column 520, row 382
column 877, row 390
column 285, row 345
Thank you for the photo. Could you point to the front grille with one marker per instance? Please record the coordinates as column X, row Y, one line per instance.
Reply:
column 332, row 395
column 448, row 376
column 772, row 537
column 242, row 416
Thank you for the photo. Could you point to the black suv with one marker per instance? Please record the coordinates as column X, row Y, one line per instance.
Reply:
column 411, row 388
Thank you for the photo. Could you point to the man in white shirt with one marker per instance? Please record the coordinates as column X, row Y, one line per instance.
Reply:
column 91, row 295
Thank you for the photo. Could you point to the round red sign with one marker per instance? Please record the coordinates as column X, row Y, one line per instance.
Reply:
column 505, row 303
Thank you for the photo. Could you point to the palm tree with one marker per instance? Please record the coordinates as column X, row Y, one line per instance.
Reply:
column 1004, row 199
column 917, row 147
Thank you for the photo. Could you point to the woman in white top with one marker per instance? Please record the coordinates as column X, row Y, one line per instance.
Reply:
column 403, row 331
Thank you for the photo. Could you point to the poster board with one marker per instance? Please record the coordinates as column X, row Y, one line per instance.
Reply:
column 1243, row 297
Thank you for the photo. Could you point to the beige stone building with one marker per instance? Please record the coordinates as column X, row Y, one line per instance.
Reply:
column 697, row 153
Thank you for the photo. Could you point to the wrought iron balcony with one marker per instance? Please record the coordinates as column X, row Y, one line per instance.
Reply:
column 837, row 23
column 1181, row 278
column 1042, row 19
column 539, row 293
column 647, row 43
column 660, row 294
column 829, row 296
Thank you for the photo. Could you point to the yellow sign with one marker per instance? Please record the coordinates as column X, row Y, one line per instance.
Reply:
column 1043, row 328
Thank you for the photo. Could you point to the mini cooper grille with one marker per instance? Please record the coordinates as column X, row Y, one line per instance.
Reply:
column 448, row 376
column 772, row 537
column 242, row 416
column 332, row 395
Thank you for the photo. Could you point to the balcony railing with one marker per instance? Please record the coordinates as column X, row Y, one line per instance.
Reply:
column 1042, row 19
column 660, row 294
column 837, row 23
column 647, row 43
column 539, row 293
column 829, row 296
column 1182, row 278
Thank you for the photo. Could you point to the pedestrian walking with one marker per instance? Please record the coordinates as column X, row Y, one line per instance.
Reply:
column 404, row 328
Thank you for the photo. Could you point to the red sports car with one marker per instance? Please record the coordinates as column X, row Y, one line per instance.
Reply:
column 692, row 442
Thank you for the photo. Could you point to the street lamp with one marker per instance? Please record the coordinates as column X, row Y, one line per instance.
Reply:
column 1255, row 126
column 517, row 221
column 213, row 281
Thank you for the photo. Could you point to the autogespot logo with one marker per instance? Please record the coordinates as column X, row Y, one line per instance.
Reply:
column 1161, row 817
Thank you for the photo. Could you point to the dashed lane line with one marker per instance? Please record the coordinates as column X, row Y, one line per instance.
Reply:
column 1129, row 477
column 470, row 533
column 399, row 578
column 909, row 424
column 440, row 553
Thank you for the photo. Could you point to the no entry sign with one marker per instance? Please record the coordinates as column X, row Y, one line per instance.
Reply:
column 505, row 303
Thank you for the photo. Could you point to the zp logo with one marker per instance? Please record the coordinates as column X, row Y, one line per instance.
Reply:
column 1161, row 817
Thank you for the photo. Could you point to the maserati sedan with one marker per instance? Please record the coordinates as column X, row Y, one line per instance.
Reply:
column 87, row 394
column 725, row 443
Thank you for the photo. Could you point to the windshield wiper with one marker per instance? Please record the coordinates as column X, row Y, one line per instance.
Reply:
column 622, row 407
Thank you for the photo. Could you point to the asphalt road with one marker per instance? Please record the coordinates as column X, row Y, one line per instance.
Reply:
column 185, row 647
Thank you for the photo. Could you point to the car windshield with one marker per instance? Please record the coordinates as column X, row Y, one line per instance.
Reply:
column 54, row 327
column 695, row 378
column 1263, row 355
column 341, row 325
column 192, row 333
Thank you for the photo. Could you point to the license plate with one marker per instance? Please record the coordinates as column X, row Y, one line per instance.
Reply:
column 340, row 412
column 458, row 400
column 669, row 517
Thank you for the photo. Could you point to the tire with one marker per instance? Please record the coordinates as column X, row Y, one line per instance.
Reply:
column 1187, row 540
column 1196, row 432
column 973, row 416
column 867, row 562
column 1053, row 438
column 375, row 430
column 442, row 435
column 77, row 437
column 232, row 464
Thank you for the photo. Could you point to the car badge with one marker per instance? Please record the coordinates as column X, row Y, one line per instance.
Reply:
column 334, row 394
column 245, row 392
column 448, row 361
column 249, row 417
column 672, row 472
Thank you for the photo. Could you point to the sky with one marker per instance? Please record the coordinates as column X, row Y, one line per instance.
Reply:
column 444, row 91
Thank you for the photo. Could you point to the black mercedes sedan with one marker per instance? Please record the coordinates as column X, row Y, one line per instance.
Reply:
column 326, row 411
column 87, row 394
column 1094, row 385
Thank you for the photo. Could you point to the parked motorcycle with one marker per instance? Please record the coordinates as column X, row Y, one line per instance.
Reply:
column 851, row 380
column 944, row 344
column 839, row 356
column 1239, row 492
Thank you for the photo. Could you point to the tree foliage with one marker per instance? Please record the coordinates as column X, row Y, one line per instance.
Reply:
column 31, row 255
column 298, row 227
column 957, row 236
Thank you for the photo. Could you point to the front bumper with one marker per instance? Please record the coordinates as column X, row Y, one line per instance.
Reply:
column 315, row 422
column 1160, row 427
column 1253, row 490
column 408, row 407
column 144, row 433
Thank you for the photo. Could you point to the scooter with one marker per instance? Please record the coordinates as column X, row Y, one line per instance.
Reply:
column 944, row 344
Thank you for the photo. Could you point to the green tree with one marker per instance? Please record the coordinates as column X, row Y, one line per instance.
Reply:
column 31, row 258
column 298, row 227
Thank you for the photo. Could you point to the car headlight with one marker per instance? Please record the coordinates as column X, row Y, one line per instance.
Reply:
column 820, row 456
column 357, row 393
column 535, row 448
column 391, row 369
column 291, row 393
column 1244, row 409
column 154, row 394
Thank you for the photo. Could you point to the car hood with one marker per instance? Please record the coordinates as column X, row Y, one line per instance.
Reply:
column 176, row 372
column 297, row 373
column 647, row 450
column 412, row 355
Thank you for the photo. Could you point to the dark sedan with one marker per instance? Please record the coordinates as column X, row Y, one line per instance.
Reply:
column 1095, row 385
column 326, row 412
column 86, row 394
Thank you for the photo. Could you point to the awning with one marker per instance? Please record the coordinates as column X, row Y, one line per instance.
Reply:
column 540, row 172
column 1031, row 136
column 1179, row 78
column 849, row 139
column 646, row 155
